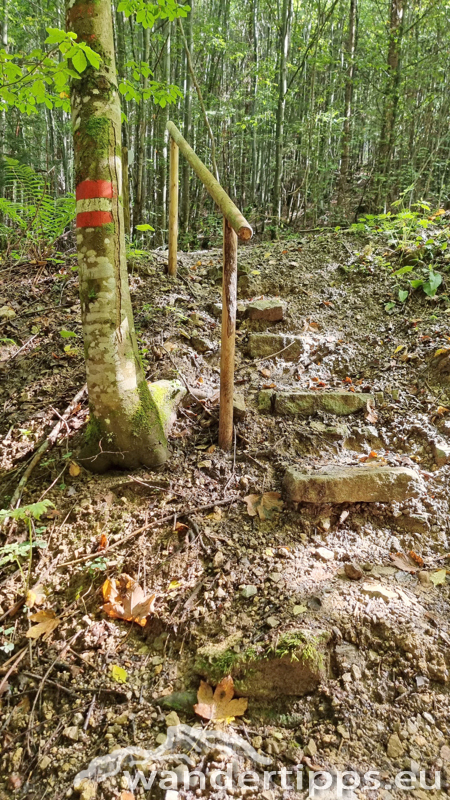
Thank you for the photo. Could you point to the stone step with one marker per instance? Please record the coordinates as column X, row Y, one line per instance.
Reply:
column 265, row 310
column 264, row 345
column 296, row 401
column 362, row 484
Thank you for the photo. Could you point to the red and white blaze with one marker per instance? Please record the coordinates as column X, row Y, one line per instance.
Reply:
column 94, row 203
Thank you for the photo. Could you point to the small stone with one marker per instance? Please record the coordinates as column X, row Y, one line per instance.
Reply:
column 299, row 610
column 181, row 771
column 378, row 590
column 6, row 312
column 445, row 753
column 44, row 763
column 424, row 578
column 221, row 593
column 161, row 738
column 441, row 452
column 86, row 789
column 257, row 742
column 171, row 794
column 201, row 344
column 356, row 672
column 311, row 748
column 324, row 554
column 352, row 572
column 248, row 591
column 343, row 732
column 239, row 407
column 347, row 677
column 395, row 748
column 276, row 577
column 272, row 622
column 179, row 701
column 219, row 559
column 172, row 719
column 72, row 733
column 429, row 717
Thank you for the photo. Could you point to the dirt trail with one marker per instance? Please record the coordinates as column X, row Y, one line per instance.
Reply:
column 346, row 601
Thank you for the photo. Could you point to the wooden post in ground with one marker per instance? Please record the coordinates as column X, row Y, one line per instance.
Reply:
column 229, row 306
column 173, row 208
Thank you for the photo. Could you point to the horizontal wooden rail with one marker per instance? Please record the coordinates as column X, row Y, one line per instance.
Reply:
column 234, row 225
column 231, row 212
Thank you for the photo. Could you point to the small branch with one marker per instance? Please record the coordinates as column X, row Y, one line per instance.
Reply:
column 46, row 445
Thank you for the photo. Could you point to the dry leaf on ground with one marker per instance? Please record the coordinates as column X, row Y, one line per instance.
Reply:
column 404, row 562
column 35, row 597
column 438, row 578
column 219, row 705
column 372, row 415
column 47, row 622
column 126, row 600
column 264, row 505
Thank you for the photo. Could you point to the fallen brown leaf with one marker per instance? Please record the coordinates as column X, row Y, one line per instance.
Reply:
column 264, row 505
column 47, row 622
column 404, row 562
column 219, row 705
column 126, row 600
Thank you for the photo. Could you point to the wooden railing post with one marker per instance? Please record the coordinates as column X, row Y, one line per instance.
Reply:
column 173, row 209
column 229, row 306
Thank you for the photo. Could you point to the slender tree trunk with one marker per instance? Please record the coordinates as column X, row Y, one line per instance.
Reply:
column 185, row 206
column 125, row 427
column 141, row 183
column 282, row 87
column 350, row 57
column 390, row 108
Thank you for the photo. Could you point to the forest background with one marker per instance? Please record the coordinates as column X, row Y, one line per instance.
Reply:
column 320, row 111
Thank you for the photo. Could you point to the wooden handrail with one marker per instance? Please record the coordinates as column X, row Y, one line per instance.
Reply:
column 218, row 194
column 234, row 225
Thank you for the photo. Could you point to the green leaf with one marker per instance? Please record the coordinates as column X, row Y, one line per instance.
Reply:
column 118, row 674
column 389, row 306
column 79, row 61
column 145, row 227
column 403, row 271
column 67, row 334
column 438, row 578
column 402, row 295
column 432, row 285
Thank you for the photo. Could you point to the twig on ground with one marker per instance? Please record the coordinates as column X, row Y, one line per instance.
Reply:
column 185, row 512
column 46, row 445
column 17, row 659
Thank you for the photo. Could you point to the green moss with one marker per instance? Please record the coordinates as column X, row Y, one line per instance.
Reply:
column 299, row 646
column 108, row 227
column 146, row 417
column 93, row 431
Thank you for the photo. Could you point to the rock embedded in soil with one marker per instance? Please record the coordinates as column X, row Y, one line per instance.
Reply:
column 441, row 452
column 264, row 345
column 362, row 484
column 288, row 403
column 395, row 747
column 266, row 310
column 291, row 666
column 239, row 407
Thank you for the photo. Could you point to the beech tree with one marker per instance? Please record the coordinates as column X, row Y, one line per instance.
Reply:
column 126, row 426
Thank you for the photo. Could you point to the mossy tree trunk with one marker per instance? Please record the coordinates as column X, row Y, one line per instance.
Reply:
column 125, row 427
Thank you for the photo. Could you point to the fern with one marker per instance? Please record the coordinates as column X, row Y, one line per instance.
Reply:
column 31, row 220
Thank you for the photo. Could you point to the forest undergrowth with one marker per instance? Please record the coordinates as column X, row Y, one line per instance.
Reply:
column 224, row 571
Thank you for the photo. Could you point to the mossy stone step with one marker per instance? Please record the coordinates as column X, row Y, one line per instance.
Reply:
column 361, row 484
column 295, row 401
column 294, row 665
column 265, row 310
column 265, row 345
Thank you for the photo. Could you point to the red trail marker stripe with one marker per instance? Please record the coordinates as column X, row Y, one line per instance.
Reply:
column 87, row 190
column 93, row 219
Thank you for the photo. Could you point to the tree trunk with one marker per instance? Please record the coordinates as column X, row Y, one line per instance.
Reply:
column 125, row 427
column 185, row 205
column 282, row 87
column 397, row 13
column 345, row 143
